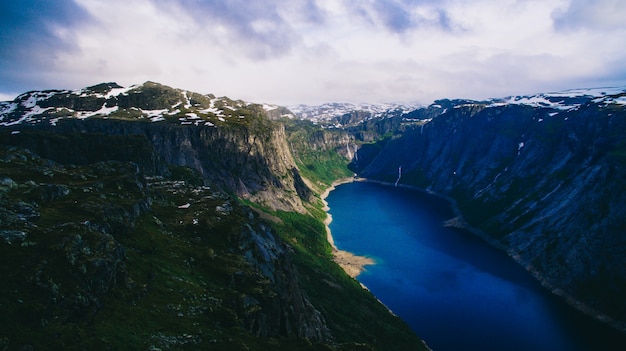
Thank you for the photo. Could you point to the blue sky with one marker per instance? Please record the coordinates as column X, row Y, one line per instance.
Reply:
column 315, row 51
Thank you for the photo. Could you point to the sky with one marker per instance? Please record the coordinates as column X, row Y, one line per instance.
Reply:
column 290, row 52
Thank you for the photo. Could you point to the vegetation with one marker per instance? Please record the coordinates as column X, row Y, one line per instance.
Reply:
column 321, row 163
column 356, row 318
column 97, row 257
column 107, row 247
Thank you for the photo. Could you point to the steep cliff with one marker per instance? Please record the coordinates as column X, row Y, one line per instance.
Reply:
column 131, row 233
column 543, row 181
column 233, row 144
column 321, row 154
column 252, row 162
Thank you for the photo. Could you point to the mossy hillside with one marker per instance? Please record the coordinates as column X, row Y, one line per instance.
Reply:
column 173, row 285
column 190, row 282
column 353, row 314
column 111, row 260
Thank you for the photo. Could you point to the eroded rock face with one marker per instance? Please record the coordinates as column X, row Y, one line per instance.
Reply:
column 253, row 162
column 286, row 311
column 232, row 143
column 546, row 186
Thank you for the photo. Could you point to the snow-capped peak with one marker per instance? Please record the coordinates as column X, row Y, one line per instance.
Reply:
column 329, row 111
column 148, row 101
column 567, row 99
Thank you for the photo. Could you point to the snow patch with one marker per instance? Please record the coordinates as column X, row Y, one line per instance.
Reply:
column 103, row 111
column 153, row 113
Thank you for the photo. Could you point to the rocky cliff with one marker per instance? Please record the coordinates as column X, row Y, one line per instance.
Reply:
column 233, row 144
column 122, row 226
column 541, row 177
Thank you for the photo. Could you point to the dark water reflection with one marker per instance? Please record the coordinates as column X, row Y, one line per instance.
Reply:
column 454, row 290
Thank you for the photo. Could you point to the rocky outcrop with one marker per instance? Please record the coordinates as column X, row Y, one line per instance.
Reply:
column 233, row 144
column 76, row 237
column 341, row 142
column 253, row 162
column 546, row 185
column 65, row 218
column 286, row 311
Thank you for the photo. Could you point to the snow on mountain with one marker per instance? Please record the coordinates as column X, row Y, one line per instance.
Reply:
column 558, row 101
column 156, row 103
column 567, row 99
column 148, row 101
column 327, row 112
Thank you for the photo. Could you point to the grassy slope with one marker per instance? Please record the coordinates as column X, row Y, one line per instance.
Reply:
column 321, row 166
column 175, row 286
column 354, row 315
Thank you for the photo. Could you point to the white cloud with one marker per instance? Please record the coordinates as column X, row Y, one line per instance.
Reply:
column 607, row 15
column 313, row 51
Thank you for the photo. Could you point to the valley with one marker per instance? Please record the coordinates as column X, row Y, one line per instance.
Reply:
column 166, row 219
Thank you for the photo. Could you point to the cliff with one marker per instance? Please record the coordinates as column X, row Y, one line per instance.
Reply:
column 233, row 144
column 156, row 218
column 321, row 154
column 101, row 242
column 545, row 182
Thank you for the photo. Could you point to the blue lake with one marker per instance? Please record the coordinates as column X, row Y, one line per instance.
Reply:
column 454, row 290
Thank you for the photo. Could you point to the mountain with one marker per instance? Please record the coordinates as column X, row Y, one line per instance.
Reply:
column 224, row 144
column 541, row 177
column 166, row 219
column 148, row 102
column 335, row 114
column 152, row 218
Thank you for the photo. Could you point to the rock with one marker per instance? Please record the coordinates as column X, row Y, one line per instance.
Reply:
column 13, row 236
column 545, row 186
column 7, row 184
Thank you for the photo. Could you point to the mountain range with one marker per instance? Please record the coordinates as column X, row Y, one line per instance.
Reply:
column 167, row 219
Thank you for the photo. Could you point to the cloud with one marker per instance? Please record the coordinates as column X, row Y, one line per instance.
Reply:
column 394, row 15
column 259, row 29
column 31, row 33
column 313, row 51
column 402, row 16
column 591, row 14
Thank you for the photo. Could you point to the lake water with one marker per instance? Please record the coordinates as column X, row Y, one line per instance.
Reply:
column 454, row 290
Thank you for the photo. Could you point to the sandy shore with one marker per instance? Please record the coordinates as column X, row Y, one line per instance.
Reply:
column 351, row 263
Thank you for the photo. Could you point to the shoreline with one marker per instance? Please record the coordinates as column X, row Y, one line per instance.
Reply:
column 352, row 264
column 458, row 221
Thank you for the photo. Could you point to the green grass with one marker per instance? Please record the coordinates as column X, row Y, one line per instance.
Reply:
column 325, row 166
column 353, row 314
column 183, row 273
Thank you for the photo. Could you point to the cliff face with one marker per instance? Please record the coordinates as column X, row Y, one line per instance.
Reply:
column 321, row 154
column 253, row 163
column 121, row 224
column 233, row 144
column 547, row 185
column 84, row 245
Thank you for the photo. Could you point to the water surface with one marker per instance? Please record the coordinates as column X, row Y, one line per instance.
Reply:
column 454, row 290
